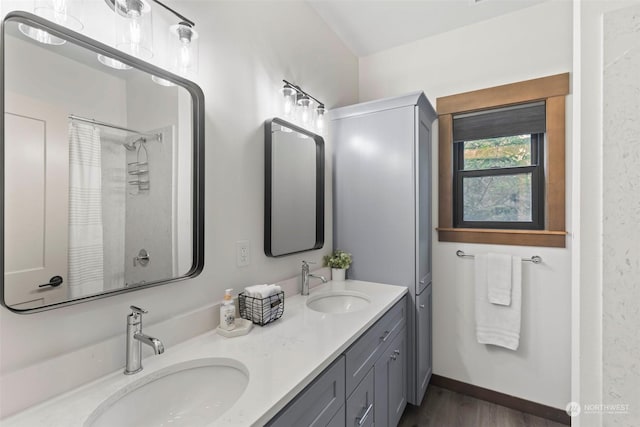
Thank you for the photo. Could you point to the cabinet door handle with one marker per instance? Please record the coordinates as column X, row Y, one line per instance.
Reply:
column 385, row 336
column 393, row 356
column 421, row 305
column 364, row 416
column 396, row 352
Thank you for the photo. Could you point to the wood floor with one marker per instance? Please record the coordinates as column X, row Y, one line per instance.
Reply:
column 444, row 408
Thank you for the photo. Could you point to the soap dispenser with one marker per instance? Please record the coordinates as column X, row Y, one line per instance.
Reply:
column 228, row 312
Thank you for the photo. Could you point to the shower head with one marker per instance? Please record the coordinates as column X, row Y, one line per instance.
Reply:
column 131, row 146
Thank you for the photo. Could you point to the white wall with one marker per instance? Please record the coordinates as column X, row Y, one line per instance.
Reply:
column 34, row 79
column 246, row 48
column 503, row 50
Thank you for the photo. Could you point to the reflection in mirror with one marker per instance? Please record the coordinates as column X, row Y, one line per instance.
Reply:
column 294, row 189
column 102, row 171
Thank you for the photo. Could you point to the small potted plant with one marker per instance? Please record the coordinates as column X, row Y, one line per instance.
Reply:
column 339, row 261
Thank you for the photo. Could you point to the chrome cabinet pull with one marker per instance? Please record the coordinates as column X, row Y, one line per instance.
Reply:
column 361, row 419
column 54, row 282
column 385, row 336
column 421, row 305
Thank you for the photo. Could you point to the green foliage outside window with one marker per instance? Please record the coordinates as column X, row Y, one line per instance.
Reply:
column 502, row 152
column 498, row 197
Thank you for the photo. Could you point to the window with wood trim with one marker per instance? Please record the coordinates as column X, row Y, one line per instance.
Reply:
column 501, row 161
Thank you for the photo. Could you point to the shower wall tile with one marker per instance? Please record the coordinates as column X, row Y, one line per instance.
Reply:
column 149, row 220
column 621, row 187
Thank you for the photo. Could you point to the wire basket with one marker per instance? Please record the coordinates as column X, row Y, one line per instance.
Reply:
column 261, row 311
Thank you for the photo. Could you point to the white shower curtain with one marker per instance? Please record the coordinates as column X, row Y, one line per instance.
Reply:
column 86, row 269
column 114, row 190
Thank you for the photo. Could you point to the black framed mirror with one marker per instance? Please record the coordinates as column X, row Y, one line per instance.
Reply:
column 103, row 158
column 294, row 189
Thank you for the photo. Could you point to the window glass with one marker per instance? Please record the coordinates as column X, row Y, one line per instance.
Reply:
column 499, row 198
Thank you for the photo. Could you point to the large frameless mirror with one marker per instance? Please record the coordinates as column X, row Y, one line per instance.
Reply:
column 294, row 189
column 103, row 169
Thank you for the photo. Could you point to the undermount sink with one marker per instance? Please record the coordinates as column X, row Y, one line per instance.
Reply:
column 192, row 393
column 338, row 302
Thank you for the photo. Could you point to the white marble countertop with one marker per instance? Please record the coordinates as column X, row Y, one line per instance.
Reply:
column 282, row 358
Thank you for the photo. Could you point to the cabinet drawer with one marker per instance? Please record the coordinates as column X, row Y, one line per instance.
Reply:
column 362, row 355
column 360, row 405
column 316, row 405
column 338, row 419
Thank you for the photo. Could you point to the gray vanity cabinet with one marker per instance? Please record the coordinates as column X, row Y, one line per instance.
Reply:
column 424, row 336
column 365, row 386
column 318, row 405
column 391, row 383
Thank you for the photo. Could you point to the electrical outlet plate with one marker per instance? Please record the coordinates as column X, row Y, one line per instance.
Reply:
column 243, row 250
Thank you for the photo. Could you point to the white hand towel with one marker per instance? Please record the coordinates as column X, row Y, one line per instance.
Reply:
column 499, row 278
column 253, row 307
column 498, row 324
column 270, row 308
column 268, row 290
column 255, row 290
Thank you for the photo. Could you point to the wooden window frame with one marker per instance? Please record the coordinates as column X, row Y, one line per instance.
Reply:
column 552, row 90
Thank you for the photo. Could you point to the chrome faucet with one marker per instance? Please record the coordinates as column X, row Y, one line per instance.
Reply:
column 135, row 338
column 306, row 275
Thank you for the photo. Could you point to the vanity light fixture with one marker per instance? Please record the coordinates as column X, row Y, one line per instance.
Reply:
column 289, row 95
column 304, row 106
column 134, row 35
column 185, row 47
column 134, row 27
column 320, row 118
column 296, row 100
column 62, row 12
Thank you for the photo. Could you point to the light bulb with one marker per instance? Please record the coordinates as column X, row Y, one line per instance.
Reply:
column 135, row 31
column 134, row 28
column 288, row 101
column 60, row 11
column 320, row 113
column 60, row 6
column 304, row 103
column 185, row 55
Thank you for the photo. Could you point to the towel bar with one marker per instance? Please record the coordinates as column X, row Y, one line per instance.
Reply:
column 534, row 259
